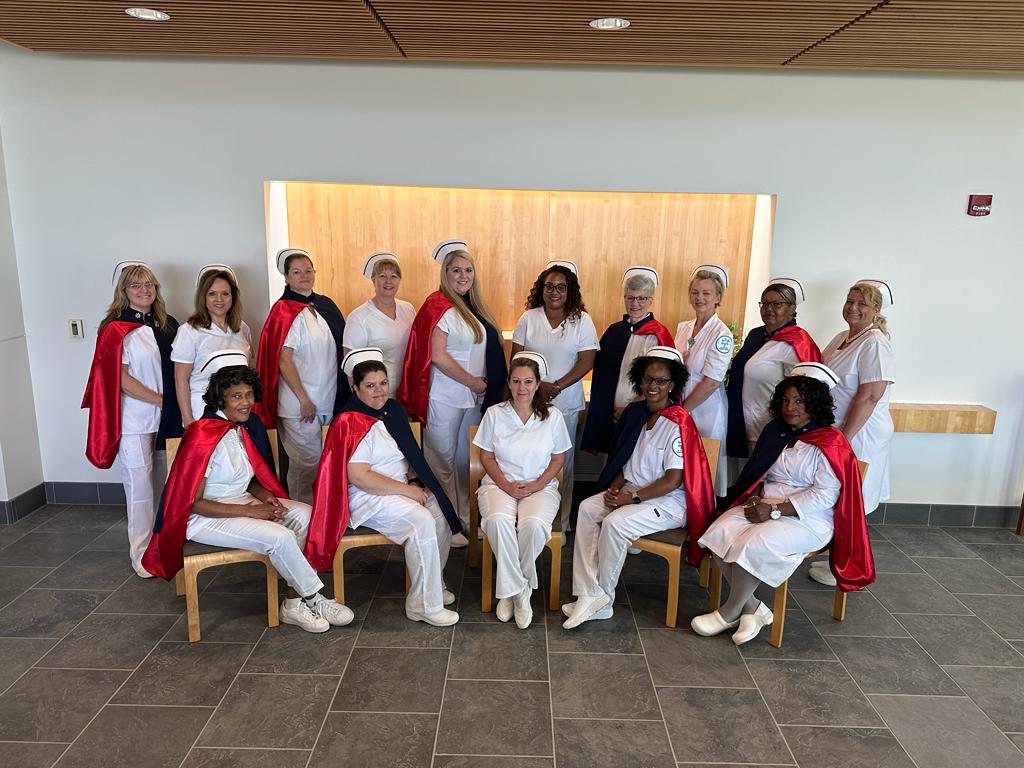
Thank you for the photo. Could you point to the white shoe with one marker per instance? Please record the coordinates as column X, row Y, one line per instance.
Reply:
column 523, row 610
column 634, row 551
column 711, row 624
column 442, row 618
column 142, row 573
column 822, row 574
column 337, row 615
column 505, row 609
column 605, row 613
column 295, row 611
column 586, row 609
column 447, row 597
column 459, row 541
column 751, row 623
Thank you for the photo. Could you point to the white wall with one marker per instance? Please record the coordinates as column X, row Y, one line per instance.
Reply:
column 164, row 160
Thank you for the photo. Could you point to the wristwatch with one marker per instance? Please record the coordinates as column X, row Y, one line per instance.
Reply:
column 776, row 513
column 637, row 499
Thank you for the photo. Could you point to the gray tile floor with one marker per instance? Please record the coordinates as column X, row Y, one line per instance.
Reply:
column 95, row 669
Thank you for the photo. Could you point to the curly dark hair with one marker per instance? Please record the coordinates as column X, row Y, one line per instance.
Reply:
column 539, row 404
column 574, row 306
column 676, row 371
column 365, row 368
column 817, row 399
column 228, row 377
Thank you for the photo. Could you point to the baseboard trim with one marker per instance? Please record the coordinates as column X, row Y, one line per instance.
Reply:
column 23, row 504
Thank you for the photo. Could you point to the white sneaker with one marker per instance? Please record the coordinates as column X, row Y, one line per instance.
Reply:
column 295, row 611
column 822, row 574
column 751, row 623
column 504, row 609
column 459, row 541
column 447, row 597
column 442, row 618
column 337, row 615
column 586, row 609
column 523, row 610
column 605, row 613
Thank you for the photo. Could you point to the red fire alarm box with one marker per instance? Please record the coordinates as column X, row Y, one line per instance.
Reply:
column 979, row 205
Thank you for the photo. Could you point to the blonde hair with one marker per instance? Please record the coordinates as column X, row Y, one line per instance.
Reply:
column 714, row 277
column 201, row 317
column 120, row 301
column 475, row 297
column 873, row 296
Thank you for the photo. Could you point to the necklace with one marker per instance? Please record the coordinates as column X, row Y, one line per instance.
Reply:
column 850, row 339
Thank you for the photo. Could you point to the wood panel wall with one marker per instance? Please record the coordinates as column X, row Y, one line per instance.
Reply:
column 513, row 233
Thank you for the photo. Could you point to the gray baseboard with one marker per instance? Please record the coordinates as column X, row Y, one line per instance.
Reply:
column 84, row 493
column 22, row 505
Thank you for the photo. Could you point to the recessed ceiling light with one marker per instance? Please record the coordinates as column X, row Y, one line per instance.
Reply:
column 147, row 14
column 609, row 22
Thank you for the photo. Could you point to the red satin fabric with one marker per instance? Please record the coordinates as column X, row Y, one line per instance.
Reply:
column 697, row 483
column 801, row 342
column 415, row 387
column 103, row 394
column 279, row 321
column 163, row 556
column 654, row 328
column 330, row 492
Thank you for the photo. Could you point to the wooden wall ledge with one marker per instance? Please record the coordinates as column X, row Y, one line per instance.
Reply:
column 953, row 418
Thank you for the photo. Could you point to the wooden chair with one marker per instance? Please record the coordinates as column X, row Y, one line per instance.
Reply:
column 555, row 541
column 363, row 536
column 671, row 545
column 186, row 581
column 782, row 591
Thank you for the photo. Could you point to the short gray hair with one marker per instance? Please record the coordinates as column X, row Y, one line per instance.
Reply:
column 640, row 283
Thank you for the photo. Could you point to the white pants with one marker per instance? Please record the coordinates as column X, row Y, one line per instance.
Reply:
column 603, row 535
column 424, row 534
column 135, row 454
column 280, row 543
column 517, row 547
column 572, row 420
column 446, row 447
column 303, row 443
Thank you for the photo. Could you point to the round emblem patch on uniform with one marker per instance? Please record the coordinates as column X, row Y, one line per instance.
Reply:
column 677, row 446
column 724, row 344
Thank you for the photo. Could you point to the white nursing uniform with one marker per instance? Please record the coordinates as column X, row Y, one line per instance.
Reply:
column 451, row 409
column 316, row 358
column 421, row 530
column 139, row 424
column 637, row 346
column 194, row 346
column 772, row 550
column 519, row 529
column 869, row 358
column 763, row 371
column 708, row 356
column 603, row 535
column 367, row 326
column 561, row 347
column 227, row 480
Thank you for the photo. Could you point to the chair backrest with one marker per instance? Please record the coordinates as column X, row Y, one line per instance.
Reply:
column 863, row 465
column 476, row 469
column 413, row 425
column 712, row 448
column 173, row 443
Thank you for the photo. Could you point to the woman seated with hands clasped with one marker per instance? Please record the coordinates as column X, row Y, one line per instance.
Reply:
column 222, row 491
column 523, row 444
column 800, row 489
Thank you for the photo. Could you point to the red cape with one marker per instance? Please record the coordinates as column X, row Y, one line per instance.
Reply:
column 280, row 319
column 330, row 492
column 415, row 386
column 801, row 342
column 850, row 555
column 697, row 483
column 163, row 556
column 654, row 328
column 103, row 394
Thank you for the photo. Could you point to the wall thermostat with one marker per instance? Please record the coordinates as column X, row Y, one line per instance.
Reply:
column 979, row 205
column 76, row 329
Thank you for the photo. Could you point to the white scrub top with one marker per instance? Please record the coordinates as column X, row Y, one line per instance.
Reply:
column 194, row 346
column 367, row 326
column 868, row 358
column 561, row 347
column 381, row 452
column 466, row 352
column 316, row 358
column 763, row 371
column 229, row 472
column 659, row 449
column 523, row 451
column 637, row 346
column 142, row 356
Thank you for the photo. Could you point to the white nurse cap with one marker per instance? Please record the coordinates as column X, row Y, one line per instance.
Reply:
column 790, row 282
column 376, row 259
column 537, row 357
column 283, row 255
column 361, row 355
column 637, row 269
column 666, row 353
column 215, row 268
column 122, row 266
column 818, row 371
column 884, row 289
column 570, row 265
column 445, row 247
column 224, row 358
column 717, row 269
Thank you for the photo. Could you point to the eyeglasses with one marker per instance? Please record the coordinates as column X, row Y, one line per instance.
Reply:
column 648, row 380
column 772, row 304
column 556, row 287
column 140, row 286
column 636, row 299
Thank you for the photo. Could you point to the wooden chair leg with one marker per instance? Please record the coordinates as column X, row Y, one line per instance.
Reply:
column 192, row 603
column 555, row 545
column 486, row 577
column 273, row 619
column 716, row 586
column 839, row 605
column 472, row 555
column 672, row 608
column 179, row 583
column 779, row 614
column 705, row 571
column 338, row 574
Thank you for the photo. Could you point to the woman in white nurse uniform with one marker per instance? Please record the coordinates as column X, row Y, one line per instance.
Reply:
column 706, row 344
column 384, row 320
column 557, row 326
column 523, row 444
